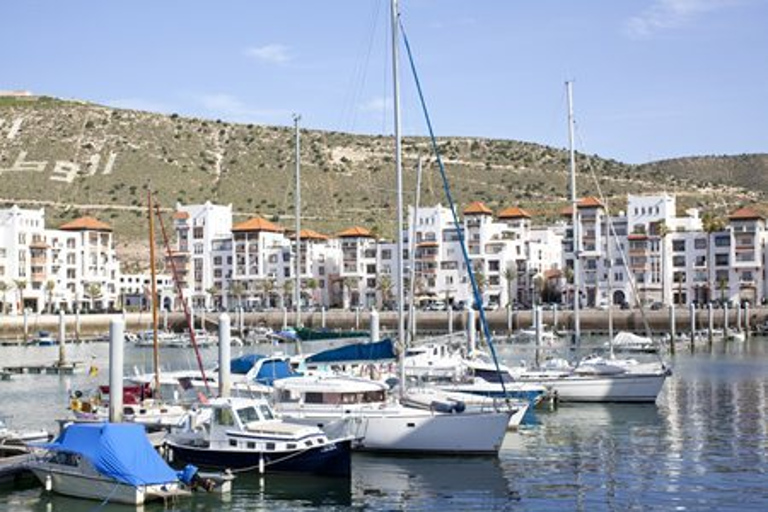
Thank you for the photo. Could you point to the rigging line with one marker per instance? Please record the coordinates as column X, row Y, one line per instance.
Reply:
column 612, row 233
column 357, row 79
column 449, row 198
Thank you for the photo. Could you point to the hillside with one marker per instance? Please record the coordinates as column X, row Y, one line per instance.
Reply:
column 74, row 158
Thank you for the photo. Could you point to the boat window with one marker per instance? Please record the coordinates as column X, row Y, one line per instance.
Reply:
column 308, row 443
column 248, row 414
column 65, row 459
column 270, row 446
column 351, row 398
column 251, row 446
column 266, row 412
column 313, row 398
column 373, row 396
column 291, row 446
column 223, row 417
column 232, row 442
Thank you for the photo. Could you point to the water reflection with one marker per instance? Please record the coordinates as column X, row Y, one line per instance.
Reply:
column 385, row 482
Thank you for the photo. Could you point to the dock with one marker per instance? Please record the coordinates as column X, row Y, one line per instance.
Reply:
column 40, row 369
column 14, row 467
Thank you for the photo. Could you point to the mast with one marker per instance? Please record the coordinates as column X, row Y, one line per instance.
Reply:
column 297, row 291
column 399, row 282
column 412, row 254
column 153, row 278
column 575, row 232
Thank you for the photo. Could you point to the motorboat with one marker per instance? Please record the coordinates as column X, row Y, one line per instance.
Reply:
column 245, row 435
column 112, row 462
column 380, row 422
column 628, row 342
column 139, row 406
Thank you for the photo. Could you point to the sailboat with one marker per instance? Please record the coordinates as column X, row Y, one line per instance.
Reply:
column 384, row 422
column 597, row 379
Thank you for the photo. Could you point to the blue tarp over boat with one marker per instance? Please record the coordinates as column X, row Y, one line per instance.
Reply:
column 118, row 450
column 243, row 364
column 356, row 352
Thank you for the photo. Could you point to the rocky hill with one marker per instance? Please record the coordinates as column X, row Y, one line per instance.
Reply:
column 75, row 158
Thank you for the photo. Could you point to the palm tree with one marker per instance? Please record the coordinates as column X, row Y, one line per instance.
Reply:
column 711, row 224
column 93, row 292
column 384, row 284
column 214, row 292
column 569, row 274
column 4, row 287
column 312, row 285
column 20, row 285
column 480, row 281
column 662, row 230
column 50, row 285
column 510, row 276
column 237, row 289
column 285, row 291
column 539, row 282
column 268, row 287
column 347, row 285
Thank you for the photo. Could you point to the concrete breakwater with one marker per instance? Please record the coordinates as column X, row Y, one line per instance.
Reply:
column 12, row 328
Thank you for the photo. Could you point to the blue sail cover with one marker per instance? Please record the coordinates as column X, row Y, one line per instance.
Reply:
column 243, row 364
column 377, row 351
column 270, row 371
column 118, row 450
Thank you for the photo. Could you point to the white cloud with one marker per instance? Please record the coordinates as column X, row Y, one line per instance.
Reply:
column 377, row 105
column 232, row 108
column 140, row 104
column 271, row 53
column 671, row 14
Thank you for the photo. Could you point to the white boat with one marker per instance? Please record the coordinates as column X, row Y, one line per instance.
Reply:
column 381, row 423
column 245, row 435
column 628, row 342
column 434, row 398
column 106, row 461
column 548, row 337
column 432, row 360
column 139, row 406
column 599, row 381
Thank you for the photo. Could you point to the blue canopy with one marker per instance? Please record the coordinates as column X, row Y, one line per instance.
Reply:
column 118, row 450
column 270, row 371
column 377, row 351
column 243, row 364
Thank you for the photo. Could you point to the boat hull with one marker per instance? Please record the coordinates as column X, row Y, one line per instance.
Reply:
column 624, row 388
column 331, row 459
column 89, row 487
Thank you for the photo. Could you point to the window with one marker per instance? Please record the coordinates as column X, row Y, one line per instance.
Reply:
column 678, row 261
column 198, row 232
column 721, row 260
column 678, row 245
column 700, row 243
column 723, row 241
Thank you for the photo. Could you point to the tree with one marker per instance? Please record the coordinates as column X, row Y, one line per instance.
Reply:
column 385, row 285
column 285, row 292
column 214, row 293
column 569, row 274
column 4, row 287
column 20, row 285
column 93, row 292
column 50, row 285
column 237, row 290
column 312, row 285
column 268, row 287
column 538, row 283
column 711, row 224
column 348, row 284
column 510, row 276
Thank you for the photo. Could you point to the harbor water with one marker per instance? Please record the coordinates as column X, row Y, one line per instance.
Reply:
column 702, row 447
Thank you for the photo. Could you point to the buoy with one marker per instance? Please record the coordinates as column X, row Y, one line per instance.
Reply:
column 48, row 483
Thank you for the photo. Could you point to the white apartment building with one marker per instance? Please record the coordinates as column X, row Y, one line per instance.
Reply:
column 73, row 267
column 201, row 231
column 136, row 291
column 357, row 269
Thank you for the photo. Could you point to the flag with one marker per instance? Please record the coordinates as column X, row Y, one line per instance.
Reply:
column 93, row 370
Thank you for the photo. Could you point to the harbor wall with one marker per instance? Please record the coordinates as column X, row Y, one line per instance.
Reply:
column 500, row 321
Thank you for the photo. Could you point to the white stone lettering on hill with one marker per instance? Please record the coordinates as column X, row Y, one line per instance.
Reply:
column 65, row 171
column 15, row 127
column 21, row 165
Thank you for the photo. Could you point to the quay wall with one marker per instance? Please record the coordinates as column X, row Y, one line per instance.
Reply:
column 500, row 321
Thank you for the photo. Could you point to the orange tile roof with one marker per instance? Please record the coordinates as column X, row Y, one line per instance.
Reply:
column 637, row 236
column 355, row 232
column 514, row 213
column 257, row 224
column 180, row 215
column 308, row 234
column 746, row 213
column 86, row 224
column 584, row 202
column 477, row 208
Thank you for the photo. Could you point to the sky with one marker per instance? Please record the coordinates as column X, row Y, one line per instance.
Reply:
column 653, row 79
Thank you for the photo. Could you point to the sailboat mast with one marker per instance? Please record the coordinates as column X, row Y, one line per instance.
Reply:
column 153, row 284
column 575, row 231
column 297, row 291
column 399, row 184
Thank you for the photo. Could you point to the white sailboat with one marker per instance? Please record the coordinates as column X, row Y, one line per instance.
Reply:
column 389, row 425
column 595, row 380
